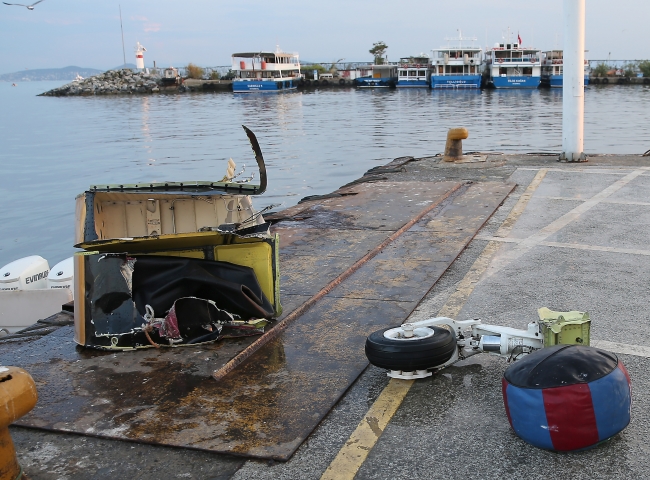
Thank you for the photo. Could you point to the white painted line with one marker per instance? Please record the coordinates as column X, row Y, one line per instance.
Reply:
column 577, row 246
column 595, row 171
column 622, row 348
column 609, row 201
column 527, row 244
column 597, row 248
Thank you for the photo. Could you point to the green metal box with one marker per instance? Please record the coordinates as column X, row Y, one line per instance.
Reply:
column 564, row 328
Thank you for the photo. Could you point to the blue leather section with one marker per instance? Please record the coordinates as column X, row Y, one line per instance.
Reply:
column 529, row 416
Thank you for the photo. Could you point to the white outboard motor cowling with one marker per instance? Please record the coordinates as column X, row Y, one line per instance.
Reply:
column 62, row 275
column 28, row 273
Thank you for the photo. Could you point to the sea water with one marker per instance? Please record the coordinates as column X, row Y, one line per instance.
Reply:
column 52, row 149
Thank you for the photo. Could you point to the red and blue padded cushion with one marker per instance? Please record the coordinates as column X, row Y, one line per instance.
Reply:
column 567, row 397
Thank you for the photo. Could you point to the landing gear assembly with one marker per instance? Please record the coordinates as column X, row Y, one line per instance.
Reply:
column 411, row 350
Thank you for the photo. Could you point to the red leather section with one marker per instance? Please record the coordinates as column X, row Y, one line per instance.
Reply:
column 571, row 417
column 627, row 375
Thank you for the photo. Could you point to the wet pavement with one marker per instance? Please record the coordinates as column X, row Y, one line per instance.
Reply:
column 579, row 245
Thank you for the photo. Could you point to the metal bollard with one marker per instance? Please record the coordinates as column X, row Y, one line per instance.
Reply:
column 454, row 146
column 17, row 397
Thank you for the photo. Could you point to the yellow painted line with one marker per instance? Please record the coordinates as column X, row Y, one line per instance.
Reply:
column 622, row 348
column 457, row 300
column 353, row 454
column 363, row 439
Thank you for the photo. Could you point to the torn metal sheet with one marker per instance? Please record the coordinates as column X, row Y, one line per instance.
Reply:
column 274, row 399
column 149, row 246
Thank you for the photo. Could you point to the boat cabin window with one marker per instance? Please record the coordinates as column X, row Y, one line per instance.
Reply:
column 422, row 73
column 412, row 73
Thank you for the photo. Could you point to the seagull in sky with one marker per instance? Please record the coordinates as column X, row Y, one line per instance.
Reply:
column 29, row 7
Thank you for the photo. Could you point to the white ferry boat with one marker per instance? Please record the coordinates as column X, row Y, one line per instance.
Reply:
column 509, row 65
column 377, row 76
column 457, row 66
column 265, row 71
column 553, row 69
column 414, row 71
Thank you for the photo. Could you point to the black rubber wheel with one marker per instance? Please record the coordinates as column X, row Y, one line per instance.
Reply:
column 410, row 355
column 646, row 81
column 392, row 84
column 315, row 83
column 308, row 82
column 342, row 81
column 325, row 82
column 594, row 81
column 605, row 81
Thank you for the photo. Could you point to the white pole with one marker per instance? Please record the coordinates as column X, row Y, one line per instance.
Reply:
column 573, row 95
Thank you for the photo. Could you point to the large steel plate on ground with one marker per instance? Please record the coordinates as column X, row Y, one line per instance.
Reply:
column 301, row 367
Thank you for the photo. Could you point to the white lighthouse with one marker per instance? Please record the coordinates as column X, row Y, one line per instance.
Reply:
column 139, row 56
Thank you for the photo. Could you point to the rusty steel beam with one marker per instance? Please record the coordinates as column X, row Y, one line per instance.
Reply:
column 283, row 324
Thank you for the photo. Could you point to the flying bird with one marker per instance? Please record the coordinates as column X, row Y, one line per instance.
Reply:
column 29, row 7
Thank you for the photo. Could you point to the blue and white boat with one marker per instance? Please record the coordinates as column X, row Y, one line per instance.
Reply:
column 377, row 76
column 265, row 71
column 509, row 65
column 553, row 69
column 457, row 66
column 414, row 71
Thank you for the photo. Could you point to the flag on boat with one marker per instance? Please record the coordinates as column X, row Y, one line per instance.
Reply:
column 519, row 38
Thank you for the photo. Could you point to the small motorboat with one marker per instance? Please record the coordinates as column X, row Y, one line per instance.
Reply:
column 30, row 291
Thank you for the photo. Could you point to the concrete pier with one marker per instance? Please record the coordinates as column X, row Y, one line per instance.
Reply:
column 569, row 236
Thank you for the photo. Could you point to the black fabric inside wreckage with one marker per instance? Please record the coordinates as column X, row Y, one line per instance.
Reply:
column 123, row 286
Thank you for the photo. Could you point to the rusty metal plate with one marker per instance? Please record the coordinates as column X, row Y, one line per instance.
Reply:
column 407, row 268
column 377, row 206
column 274, row 399
column 264, row 410
column 299, row 238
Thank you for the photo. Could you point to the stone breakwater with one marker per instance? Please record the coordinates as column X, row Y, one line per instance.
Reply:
column 112, row 82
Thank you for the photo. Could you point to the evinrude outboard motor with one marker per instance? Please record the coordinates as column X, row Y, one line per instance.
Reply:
column 62, row 275
column 28, row 273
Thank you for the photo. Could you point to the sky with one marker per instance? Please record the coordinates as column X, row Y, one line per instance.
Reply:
column 86, row 33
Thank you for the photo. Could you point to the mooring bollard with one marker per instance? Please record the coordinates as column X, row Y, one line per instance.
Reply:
column 17, row 397
column 454, row 146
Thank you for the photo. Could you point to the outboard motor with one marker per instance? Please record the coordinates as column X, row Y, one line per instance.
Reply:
column 28, row 273
column 62, row 275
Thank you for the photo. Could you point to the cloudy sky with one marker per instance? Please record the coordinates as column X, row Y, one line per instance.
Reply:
column 86, row 33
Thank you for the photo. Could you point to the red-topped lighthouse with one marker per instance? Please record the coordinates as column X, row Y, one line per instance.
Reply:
column 139, row 56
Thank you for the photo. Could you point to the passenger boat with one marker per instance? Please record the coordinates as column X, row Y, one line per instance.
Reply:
column 265, row 71
column 377, row 76
column 414, row 71
column 509, row 65
column 552, row 69
column 457, row 67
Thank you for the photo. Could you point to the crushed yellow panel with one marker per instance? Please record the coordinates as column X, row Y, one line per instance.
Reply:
column 258, row 256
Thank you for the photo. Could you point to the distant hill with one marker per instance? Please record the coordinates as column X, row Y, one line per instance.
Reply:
column 66, row 73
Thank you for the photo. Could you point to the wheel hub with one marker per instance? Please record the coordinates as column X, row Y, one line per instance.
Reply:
column 406, row 334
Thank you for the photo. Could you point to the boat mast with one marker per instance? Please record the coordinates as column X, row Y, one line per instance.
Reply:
column 122, row 29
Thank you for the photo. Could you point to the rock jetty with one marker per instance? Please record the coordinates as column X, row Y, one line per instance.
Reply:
column 123, row 81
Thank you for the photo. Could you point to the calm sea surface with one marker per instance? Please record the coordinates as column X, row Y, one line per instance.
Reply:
column 52, row 149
